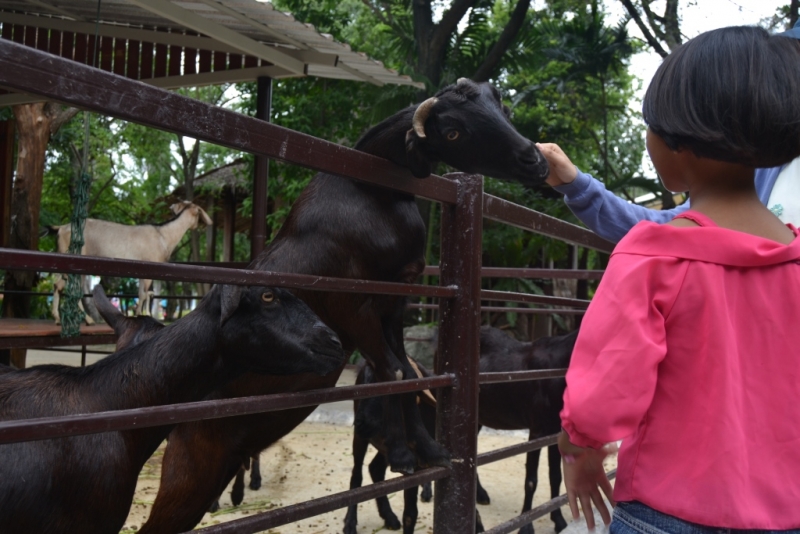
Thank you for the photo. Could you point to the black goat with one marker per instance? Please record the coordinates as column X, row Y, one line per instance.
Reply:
column 134, row 330
column 342, row 228
column 533, row 405
column 368, row 429
column 86, row 483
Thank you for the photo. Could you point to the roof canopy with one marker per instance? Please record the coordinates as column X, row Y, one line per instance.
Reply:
column 173, row 44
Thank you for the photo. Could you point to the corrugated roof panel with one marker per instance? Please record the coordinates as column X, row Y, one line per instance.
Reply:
column 269, row 26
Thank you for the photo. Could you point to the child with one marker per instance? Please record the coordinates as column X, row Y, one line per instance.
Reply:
column 689, row 350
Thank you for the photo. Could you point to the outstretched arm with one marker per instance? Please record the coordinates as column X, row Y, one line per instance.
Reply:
column 602, row 211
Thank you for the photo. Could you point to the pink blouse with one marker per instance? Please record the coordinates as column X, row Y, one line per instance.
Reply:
column 689, row 353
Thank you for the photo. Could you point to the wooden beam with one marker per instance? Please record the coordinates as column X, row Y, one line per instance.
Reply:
column 255, row 24
column 360, row 75
column 198, row 23
column 156, row 37
column 54, row 9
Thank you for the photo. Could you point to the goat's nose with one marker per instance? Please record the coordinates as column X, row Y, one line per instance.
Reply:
column 331, row 334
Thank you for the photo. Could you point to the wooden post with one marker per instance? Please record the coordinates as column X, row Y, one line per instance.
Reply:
column 6, row 178
column 228, row 226
column 459, row 354
column 258, row 231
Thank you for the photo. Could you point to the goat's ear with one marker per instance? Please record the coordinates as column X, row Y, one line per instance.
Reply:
column 417, row 160
column 229, row 299
column 204, row 216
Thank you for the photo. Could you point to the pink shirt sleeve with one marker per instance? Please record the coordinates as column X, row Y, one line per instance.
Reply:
column 612, row 374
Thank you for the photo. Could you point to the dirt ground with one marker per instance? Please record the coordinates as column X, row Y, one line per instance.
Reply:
column 315, row 461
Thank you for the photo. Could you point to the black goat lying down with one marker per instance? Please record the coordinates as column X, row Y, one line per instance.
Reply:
column 532, row 405
column 86, row 483
column 343, row 228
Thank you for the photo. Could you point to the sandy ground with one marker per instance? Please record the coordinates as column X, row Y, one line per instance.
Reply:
column 315, row 461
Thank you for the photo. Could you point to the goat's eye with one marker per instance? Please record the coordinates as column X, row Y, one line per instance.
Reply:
column 268, row 296
column 452, row 136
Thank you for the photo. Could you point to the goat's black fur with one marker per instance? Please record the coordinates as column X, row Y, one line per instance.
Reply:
column 46, row 485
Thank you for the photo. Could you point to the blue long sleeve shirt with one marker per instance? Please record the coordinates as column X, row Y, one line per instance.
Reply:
column 612, row 217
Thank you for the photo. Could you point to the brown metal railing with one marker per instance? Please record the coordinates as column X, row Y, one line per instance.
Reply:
column 464, row 205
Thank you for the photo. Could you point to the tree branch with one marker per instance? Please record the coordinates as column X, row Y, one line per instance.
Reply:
column 449, row 23
column 510, row 32
column 651, row 40
column 60, row 116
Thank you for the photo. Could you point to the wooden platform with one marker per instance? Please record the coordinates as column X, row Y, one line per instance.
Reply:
column 32, row 333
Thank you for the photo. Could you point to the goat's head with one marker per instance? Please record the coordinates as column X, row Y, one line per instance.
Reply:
column 193, row 210
column 129, row 330
column 269, row 330
column 467, row 126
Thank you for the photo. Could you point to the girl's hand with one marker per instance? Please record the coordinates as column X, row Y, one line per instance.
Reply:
column 562, row 171
column 584, row 477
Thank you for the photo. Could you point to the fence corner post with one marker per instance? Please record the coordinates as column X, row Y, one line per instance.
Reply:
column 459, row 354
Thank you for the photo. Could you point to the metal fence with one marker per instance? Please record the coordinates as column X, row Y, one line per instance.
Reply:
column 464, row 205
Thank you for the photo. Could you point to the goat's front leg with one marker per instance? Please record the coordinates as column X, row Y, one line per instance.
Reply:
column 58, row 287
column 237, row 491
column 410, row 511
column 428, row 451
column 554, row 466
column 481, row 496
column 360, row 446
column 531, row 481
column 144, row 297
column 255, row 471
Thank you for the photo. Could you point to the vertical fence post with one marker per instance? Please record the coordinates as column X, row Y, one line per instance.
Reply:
column 459, row 353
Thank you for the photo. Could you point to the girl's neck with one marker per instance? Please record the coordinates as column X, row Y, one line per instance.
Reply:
column 728, row 196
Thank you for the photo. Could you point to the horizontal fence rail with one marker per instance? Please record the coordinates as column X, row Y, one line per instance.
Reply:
column 514, row 450
column 520, row 376
column 509, row 296
column 329, row 503
column 534, row 311
column 92, row 423
column 24, row 260
column 40, row 73
column 497, row 209
column 527, row 272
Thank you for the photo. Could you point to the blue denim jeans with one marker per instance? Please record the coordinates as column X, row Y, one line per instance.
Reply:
column 637, row 518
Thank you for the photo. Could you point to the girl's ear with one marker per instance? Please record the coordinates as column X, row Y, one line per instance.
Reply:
column 417, row 160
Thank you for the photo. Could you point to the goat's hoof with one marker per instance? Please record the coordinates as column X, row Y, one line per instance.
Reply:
column 255, row 483
column 426, row 495
column 237, row 495
column 527, row 529
column 214, row 507
column 560, row 523
column 401, row 460
column 431, row 454
column 482, row 497
column 390, row 522
column 350, row 528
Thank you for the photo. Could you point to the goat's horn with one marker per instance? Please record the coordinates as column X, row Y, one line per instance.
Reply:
column 421, row 115
column 461, row 80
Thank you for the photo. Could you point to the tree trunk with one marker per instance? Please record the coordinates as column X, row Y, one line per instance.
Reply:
column 33, row 127
column 35, row 124
column 794, row 13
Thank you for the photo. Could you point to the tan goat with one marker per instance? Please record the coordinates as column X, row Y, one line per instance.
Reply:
column 145, row 242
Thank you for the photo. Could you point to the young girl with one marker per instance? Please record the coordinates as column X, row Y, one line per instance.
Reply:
column 689, row 350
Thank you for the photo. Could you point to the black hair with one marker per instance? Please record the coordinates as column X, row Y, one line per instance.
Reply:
column 731, row 94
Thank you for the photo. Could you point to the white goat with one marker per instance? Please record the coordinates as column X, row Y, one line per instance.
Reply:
column 145, row 242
